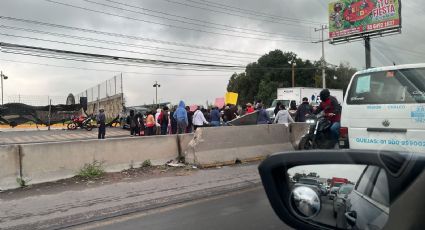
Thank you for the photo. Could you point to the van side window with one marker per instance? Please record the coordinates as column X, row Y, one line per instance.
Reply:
column 365, row 183
column 380, row 192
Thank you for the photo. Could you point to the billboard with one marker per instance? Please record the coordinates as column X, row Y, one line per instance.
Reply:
column 350, row 19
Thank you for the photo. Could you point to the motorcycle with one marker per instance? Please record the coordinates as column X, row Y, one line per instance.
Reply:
column 319, row 135
column 81, row 122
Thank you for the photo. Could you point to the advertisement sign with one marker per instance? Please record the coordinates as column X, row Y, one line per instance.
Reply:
column 219, row 102
column 351, row 18
column 231, row 98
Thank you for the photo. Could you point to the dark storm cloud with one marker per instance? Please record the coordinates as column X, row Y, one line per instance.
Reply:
column 33, row 79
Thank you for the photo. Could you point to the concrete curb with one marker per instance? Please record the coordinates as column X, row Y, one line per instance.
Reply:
column 127, row 209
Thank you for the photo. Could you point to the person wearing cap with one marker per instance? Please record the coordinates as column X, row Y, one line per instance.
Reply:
column 101, row 121
column 249, row 108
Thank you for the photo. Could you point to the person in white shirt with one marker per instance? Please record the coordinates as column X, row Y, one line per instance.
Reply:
column 283, row 116
column 198, row 119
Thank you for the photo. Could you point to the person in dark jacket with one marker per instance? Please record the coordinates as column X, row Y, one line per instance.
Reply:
column 163, row 120
column 189, row 128
column 140, row 124
column 173, row 121
column 303, row 110
column 101, row 121
column 277, row 108
column 215, row 117
column 263, row 116
column 332, row 111
column 132, row 121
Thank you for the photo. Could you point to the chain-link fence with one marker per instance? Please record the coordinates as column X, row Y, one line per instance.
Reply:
column 103, row 90
column 36, row 100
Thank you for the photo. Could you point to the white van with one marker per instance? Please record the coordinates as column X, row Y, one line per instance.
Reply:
column 384, row 109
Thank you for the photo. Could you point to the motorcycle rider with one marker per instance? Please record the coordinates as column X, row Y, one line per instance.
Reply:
column 332, row 111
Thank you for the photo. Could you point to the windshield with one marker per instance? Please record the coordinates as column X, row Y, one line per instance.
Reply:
column 284, row 102
column 345, row 189
column 388, row 87
column 308, row 181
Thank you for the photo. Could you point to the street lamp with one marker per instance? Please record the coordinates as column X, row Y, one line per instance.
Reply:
column 156, row 85
column 5, row 78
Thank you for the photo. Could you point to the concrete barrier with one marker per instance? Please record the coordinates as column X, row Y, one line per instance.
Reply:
column 9, row 167
column 53, row 161
column 226, row 145
column 297, row 131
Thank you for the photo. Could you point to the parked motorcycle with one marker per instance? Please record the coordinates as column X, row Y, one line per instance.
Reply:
column 81, row 122
column 319, row 135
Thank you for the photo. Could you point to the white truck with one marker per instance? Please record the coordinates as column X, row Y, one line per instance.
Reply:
column 287, row 95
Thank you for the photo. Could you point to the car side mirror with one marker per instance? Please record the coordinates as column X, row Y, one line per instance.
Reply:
column 302, row 205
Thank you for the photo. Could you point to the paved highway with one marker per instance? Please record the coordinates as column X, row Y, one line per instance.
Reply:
column 249, row 209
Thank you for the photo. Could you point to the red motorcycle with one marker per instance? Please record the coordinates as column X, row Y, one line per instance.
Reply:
column 81, row 122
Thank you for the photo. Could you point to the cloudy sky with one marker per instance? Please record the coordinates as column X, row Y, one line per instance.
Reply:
column 200, row 31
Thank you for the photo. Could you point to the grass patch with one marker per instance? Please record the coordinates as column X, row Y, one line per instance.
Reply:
column 91, row 170
column 146, row 163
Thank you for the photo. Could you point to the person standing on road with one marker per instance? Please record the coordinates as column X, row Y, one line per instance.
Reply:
column 215, row 117
column 181, row 117
column 132, row 121
column 303, row 110
column 164, row 120
column 150, row 123
column 249, row 108
column 199, row 119
column 173, row 121
column 190, row 120
column 157, row 124
column 101, row 121
column 283, row 116
column 263, row 116
column 140, row 124
column 277, row 108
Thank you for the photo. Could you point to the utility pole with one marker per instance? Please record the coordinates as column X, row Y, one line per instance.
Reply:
column 156, row 85
column 367, row 52
column 322, row 29
column 293, row 73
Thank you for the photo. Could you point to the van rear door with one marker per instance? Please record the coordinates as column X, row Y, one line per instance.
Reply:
column 386, row 110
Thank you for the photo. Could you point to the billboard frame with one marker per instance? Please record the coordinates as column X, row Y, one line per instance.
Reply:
column 371, row 34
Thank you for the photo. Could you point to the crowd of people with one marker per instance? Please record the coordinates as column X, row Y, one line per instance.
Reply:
column 181, row 119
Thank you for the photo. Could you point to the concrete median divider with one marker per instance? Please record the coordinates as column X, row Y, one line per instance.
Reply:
column 227, row 145
column 46, row 162
column 9, row 167
column 298, row 130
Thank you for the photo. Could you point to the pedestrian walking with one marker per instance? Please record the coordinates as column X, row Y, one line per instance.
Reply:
column 164, row 120
column 181, row 117
column 277, row 108
column 263, row 116
column 150, row 124
column 199, row 119
column 140, row 124
column 283, row 116
column 101, row 121
column 303, row 110
column 215, row 117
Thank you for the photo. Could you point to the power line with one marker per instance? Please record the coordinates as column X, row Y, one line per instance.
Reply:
column 108, row 71
column 238, row 15
column 117, row 60
column 167, row 25
column 233, row 29
column 105, row 48
column 18, row 47
column 125, row 36
column 122, row 44
column 252, row 12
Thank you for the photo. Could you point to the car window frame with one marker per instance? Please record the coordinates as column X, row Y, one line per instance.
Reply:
column 369, row 187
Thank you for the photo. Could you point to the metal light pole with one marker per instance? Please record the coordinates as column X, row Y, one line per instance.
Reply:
column 2, row 90
column 156, row 85
column 293, row 74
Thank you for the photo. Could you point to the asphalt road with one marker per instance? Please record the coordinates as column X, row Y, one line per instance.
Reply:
column 249, row 209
